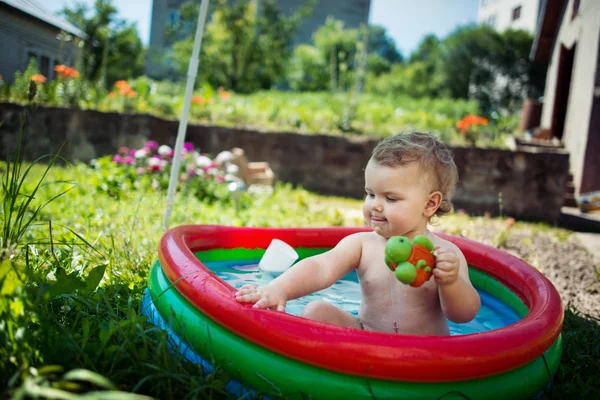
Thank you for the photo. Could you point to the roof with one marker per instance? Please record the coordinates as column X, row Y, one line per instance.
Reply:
column 548, row 24
column 34, row 9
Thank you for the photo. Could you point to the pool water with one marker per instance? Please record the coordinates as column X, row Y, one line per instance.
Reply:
column 345, row 294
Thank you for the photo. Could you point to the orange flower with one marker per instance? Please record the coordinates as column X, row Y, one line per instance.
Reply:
column 38, row 78
column 198, row 100
column 224, row 95
column 131, row 93
column 112, row 95
column 470, row 120
column 66, row 72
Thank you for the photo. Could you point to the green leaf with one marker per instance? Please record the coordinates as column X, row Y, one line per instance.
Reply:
column 5, row 266
column 94, row 278
column 65, row 284
column 9, row 280
column 113, row 395
column 50, row 369
column 89, row 376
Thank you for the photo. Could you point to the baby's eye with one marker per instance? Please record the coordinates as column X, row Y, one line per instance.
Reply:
column 391, row 200
column 370, row 195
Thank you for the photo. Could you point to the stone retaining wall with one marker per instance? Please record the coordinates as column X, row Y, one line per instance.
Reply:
column 527, row 185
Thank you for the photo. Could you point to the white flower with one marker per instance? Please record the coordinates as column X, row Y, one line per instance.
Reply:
column 200, row 172
column 232, row 169
column 224, row 156
column 164, row 150
column 203, row 161
column 213, row 171
column 141, row 153
column 155, row 162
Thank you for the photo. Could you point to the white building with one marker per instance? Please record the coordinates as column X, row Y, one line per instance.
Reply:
column 569, row 38
column 510, row 14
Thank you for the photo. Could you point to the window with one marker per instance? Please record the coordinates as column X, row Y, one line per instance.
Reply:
column 491, row 20
column 174, row 17
column 45, row 66
column 45, row 63
column 516, row 13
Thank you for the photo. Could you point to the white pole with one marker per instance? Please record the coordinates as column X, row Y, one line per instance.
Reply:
column 189, row 89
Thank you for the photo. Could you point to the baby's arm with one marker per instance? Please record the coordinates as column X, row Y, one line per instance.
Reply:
column 307, row 276
column 459, row 299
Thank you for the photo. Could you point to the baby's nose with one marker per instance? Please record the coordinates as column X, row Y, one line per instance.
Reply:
column 376, row 205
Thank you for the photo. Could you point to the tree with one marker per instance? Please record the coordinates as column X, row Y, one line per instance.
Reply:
column 244, row 49
column 413, row 79
column 491, row 67
column 113, row 50
column 429, row 50
column 383, row 45
column 307, row 70
column 473, row 62
column 338, row 46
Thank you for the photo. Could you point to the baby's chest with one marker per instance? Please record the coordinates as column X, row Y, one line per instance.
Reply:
column 377, row 280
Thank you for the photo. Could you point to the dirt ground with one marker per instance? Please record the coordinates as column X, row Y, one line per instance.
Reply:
column 572, row 269
column 566, row 262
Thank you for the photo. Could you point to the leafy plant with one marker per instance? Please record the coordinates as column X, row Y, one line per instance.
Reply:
column 18, row 209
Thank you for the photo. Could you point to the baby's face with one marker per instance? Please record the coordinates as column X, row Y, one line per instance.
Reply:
column 396, row 198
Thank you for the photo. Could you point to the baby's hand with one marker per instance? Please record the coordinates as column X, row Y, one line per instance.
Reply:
column 447, row 266
column 262, row 296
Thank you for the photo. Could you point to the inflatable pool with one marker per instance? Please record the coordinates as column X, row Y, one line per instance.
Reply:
column 283, row 355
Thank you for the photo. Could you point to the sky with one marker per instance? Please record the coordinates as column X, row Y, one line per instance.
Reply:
column 406, row 21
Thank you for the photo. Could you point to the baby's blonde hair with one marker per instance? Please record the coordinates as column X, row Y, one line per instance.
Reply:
column 433, row 156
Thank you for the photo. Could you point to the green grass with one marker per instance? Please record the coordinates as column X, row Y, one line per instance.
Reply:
column 63, row 333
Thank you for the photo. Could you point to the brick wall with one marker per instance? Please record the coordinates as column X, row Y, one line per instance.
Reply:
column 530, row 184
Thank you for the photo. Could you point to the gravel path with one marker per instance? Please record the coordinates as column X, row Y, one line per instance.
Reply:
column 570, row 261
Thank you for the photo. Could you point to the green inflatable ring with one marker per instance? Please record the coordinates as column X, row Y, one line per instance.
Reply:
column 279, row 376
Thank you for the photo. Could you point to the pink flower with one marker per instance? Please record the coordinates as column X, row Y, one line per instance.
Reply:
column 117, row 159
column 132, row 152
column 219, row 179
column 189, row 146
column 140, row 171
column 129, row 160
column 152, row 144
column 123, row 150
column 210, row 166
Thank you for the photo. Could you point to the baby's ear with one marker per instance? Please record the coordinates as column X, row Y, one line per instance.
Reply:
column 433, row 203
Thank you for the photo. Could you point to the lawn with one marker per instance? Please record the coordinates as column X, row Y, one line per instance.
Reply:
column 66, row 329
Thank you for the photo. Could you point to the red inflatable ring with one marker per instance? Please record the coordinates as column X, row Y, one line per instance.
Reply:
column 373, row 354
